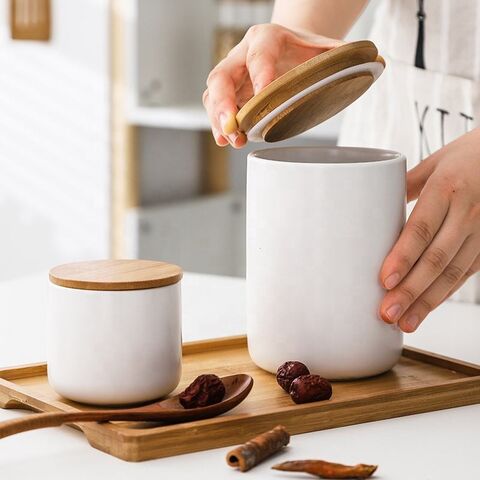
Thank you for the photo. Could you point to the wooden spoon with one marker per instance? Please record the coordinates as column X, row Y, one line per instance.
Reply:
column 237, row 387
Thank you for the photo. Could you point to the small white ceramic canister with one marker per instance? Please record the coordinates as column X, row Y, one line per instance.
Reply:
column 320, row 221
column 114, row 331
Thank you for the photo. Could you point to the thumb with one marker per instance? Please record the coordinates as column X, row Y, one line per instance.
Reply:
column 261, row 67
column 418, row 176
column 264, row 50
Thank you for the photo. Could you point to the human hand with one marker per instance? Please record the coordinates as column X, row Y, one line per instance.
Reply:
column 439, row 248
column 266, row 52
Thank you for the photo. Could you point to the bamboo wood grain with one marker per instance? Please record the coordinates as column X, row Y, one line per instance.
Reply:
column 30, row 19
column 216, row 174
column 317, row 106
column 421, row 382
column 237, row 388
column 24, row 371
column 124, row 137
column 116, row 275
column 303, row 76
column 46, row 420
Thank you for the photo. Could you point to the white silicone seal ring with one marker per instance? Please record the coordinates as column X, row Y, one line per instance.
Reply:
column 255, row 133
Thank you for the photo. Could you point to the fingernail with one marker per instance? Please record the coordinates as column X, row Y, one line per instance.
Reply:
column 412, row 322
column 221, row 141
column 242, row 138
column 256, row 88
column 393, row 312
column 223, row 121
column 232, row 138
column 228, row 123
column 217, row 136
column 392, row 280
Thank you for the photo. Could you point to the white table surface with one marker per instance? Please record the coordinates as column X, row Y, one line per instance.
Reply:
column 437, row 446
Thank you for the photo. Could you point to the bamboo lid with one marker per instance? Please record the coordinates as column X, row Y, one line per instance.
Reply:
column 311, row 92
column 115, row 275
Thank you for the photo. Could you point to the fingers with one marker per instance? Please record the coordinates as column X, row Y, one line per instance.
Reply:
column 452, row 277
column 244, row 94
column 474, row 268
column 251, row 63
column 262, row 57
column 220, row 139
column 434, row 257
column 261, row 67
column 418, row 176
column 263, row 52
column 433, row 263
column 220, row 99
column 422, row 226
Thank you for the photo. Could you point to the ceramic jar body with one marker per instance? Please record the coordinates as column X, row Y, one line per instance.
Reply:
column 320, row 222
column 114, row 347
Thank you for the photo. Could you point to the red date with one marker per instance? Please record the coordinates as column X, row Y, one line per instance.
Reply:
column 204, row 390
column 310, row 388
column 288, row 372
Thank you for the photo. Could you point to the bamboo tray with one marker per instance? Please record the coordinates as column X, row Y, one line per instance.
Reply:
column 421, row 382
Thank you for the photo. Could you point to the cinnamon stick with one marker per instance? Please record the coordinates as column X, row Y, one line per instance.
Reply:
column 324, row 469
column 254, row 451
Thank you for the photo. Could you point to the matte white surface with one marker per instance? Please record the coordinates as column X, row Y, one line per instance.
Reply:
column 114, row 347
column 439, row 445
column 319, row 226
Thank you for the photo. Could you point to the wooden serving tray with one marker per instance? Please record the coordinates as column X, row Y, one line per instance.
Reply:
column 420, row 382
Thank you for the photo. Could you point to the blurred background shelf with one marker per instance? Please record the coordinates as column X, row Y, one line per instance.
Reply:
column 194, row 117
column 188, row 197
column 181, row 117
column 206, row 233
column 106, row 149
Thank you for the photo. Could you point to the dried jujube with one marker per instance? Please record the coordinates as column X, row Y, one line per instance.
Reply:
column 204, row 390
column 288, row 372
column 310, row 388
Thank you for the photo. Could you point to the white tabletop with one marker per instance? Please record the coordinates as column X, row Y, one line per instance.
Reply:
column 438, row 445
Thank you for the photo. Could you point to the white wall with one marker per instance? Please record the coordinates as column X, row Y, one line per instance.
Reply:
column 54, row 140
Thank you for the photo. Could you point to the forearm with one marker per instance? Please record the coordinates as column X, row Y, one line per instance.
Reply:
column 330, row 18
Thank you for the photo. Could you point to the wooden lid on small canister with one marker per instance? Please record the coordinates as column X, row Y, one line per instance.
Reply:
column 116, row 275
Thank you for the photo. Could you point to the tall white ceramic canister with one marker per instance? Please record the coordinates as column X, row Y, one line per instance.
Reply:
column 320, row 221
column 114, row 331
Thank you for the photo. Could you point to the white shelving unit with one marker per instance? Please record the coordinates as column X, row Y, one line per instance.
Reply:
column 169, row 54
column 202, row 232
column 194, row 117
column 181, row 117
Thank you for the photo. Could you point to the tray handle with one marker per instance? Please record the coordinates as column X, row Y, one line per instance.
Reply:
column 6, row 401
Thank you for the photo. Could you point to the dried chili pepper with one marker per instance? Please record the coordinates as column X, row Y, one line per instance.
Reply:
column 324, row 469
